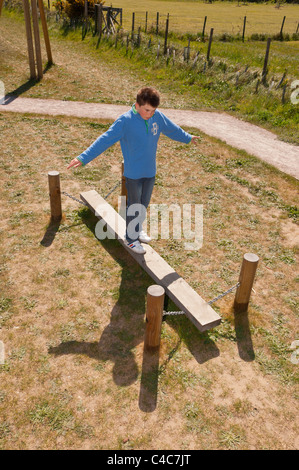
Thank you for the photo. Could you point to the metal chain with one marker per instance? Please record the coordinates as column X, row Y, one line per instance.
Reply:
column 113, row 189
column 173, row 313
column 210, row 302
column 74, row 198
column 84, row 203
column 224, row 293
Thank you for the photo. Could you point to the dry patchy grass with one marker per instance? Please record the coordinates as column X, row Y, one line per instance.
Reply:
column 72, row 308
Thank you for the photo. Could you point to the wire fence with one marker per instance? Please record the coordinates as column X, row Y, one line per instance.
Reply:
column 243, row 20
column 195, row 24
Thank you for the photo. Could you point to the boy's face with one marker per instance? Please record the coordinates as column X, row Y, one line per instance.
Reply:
column 146, row 111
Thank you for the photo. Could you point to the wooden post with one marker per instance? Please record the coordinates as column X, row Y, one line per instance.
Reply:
column 133, row 24
column 38, row 53
column 281, row 29
column 45, row 31
column 246, row 278
column 146, row 18
column 210, row 43
column 99, row 15
column 123, row 182
column 166, row 35
column 203, row 29
column 157, row 24
column 1, row 3
column 264, row 73
column 244, row 26
column 154, row 314
column 29, row 39
column 55, row 195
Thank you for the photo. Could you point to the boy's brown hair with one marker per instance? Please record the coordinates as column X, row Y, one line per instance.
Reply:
column 148, row 95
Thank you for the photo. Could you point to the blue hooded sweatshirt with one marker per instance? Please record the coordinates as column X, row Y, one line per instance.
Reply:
column 138, row 140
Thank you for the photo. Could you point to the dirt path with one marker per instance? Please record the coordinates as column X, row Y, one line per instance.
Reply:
column 239, row 134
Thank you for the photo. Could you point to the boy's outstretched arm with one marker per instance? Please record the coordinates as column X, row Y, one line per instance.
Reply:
column 195, row 139
column 75, row 163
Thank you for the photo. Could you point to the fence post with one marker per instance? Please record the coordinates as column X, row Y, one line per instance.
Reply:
column 264, row 73
column 123, row 182
column 244, row 26
column 154, row 314
column 210, row 43
column 203, row 29
column 166, row 36
column 98, row 18
column 55, row 196
column 133, row 24
column 146, row 17
column 281, row 29
column 246, row 278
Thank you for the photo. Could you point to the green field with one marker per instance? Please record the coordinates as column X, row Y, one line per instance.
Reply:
column 224, row 17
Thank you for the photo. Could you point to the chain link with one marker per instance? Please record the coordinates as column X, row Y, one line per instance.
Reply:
column 84, row 203
column 180, row 312
column 173, row 313
column 74, row 198
column 224, row 293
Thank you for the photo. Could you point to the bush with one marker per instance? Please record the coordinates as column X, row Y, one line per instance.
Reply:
column 75, row 8
column 16, row 5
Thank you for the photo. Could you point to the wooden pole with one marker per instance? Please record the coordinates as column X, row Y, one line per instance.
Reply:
column 29, row 39
column 123, row 182
column 133, row 24
column 166, row 36
column 244, row 26
column 210, row 43
column 55, row 196
column 99, row 19
column 281, row 29
column 146, row 18
column 203, row 29
column 38, row 53
column 45, row 31
column 265, row 68
column 154, row 314
column 246, row 278
column 1, row 4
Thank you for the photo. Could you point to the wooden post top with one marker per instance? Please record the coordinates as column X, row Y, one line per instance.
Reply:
column 251, row 257
column 155, row 290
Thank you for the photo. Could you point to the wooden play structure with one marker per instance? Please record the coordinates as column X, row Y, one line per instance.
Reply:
column 167, row 281
column 33, row 36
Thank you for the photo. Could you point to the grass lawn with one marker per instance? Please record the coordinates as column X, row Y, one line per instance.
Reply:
column 72, row 308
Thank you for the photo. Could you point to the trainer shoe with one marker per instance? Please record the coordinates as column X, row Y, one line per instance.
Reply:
column 143, row 237
column 136, row 247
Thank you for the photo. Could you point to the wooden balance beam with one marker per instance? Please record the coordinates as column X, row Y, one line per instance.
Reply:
column 177, row 289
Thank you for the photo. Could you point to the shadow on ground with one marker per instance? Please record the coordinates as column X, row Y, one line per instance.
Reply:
column 127, row 327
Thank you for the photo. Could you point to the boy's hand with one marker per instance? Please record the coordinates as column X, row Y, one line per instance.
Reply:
column 195, row 139
column 74, row 163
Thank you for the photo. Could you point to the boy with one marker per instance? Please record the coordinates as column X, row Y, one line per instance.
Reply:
column 138, row 131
